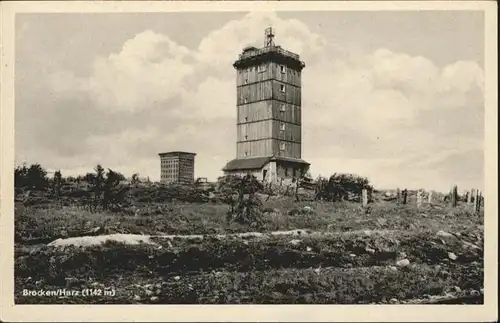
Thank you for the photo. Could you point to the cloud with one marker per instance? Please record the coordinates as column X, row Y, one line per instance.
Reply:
column 371, row 112
column 149, row 68
column 221, row 47
column 211, row 98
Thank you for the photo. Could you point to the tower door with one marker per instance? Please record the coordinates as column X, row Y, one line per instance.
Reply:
column 264, row 173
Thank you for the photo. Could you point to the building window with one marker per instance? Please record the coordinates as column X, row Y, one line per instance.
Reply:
column 283, row 108
column 245, row 100
column 262, row 68
column 282, row 127
column 286, row 171
column 282, row 146
column 282, row 69
column 246, row 118
column 246, row 136
column 282, row 87
column 246, row 80
column 246, row 153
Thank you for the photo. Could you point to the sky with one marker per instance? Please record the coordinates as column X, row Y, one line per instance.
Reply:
column 397, row 97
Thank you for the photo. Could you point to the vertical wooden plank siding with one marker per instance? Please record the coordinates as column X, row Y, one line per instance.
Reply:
column 255, row 148
column 255, row 130
column 268, row 100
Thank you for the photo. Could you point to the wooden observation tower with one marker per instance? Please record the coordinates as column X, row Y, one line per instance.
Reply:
column 269, row 114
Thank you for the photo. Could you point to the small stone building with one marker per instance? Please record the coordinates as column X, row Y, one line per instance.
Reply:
column 268, row 169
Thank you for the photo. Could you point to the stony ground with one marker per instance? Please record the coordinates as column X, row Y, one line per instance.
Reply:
column 342, row 254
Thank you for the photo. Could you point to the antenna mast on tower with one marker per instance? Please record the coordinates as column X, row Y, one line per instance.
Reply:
column 269, row 40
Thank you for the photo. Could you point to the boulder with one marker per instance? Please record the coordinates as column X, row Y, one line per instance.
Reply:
column 442, row 233
column 403, row 263
column 370, row 250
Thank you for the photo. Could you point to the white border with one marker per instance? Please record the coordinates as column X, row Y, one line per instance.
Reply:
column 240, row 313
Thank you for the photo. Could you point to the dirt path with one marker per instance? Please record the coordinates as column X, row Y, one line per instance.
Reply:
column 134, row 239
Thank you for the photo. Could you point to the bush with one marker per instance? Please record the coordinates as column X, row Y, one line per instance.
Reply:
column 342, row 187
column 230, row 184
column 245, row 208
column 169, row 193
column 33, row 177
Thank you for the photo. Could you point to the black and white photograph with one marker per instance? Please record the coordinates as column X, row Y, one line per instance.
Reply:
column 249, row 156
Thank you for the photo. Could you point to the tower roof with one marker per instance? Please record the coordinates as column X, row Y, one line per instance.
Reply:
column 251, row 55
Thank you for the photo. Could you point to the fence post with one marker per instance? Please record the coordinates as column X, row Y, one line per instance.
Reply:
column 365, row 197
column 479, row 195
column 430, row 197
column 398, row 196
column 477, row 202
column 474, row 203
column 469, row 197
column 481, row 200
column 405, row 195
column 454, row 196
column 419, row 198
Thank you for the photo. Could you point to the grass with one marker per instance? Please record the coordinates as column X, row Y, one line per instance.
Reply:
column 49, row 223
column 356, row 250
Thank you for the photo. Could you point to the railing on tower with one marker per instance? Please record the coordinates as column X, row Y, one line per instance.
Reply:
column 265, row 50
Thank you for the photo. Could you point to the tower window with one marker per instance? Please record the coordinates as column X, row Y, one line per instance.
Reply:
column 282, row 69
column 246, row 153
column 246, row 80
column 246, row 118
column 282, row 88
column 245, row 100
column 283, row 108
column 282, row 146
column 262, row 68
column 282, row 127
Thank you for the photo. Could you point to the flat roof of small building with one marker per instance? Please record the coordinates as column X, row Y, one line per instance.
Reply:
column 174, row 153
